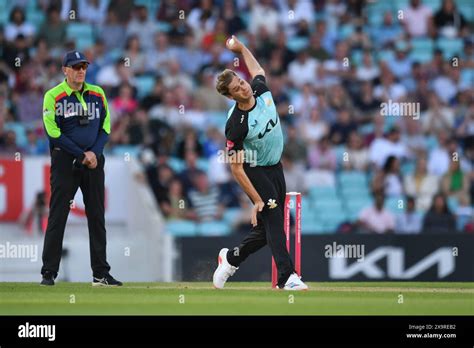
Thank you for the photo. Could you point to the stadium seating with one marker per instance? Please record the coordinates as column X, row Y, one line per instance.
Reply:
column 181, row 228
column 213, row 229
column 144, row 85
column 450, row 47
column 421, row 49
column 82, row 34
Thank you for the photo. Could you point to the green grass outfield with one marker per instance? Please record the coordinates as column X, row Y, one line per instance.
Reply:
column 238, row 298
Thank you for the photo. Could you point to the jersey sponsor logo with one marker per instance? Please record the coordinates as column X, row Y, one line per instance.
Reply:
column 270, row 125
column 255, row 124
column 230, row 144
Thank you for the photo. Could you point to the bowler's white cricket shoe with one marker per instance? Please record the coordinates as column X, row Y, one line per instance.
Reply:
column 224, row 270
column 294, row 282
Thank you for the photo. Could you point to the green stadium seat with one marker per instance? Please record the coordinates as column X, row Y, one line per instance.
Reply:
column 126, row 150
column 203, row 164
column 144, row 85
column 354, row 206
column 176, row 164
column 433, row 4
column 392, row 204
column 83, row 43
column 331, row 220
column 453, row 203
column 421, row 56
column 467, row 77
column 349, row 192
column 75, row 30
column 20, row 132
column 312, row 227
column 36, row 18
column 422, row 44
column 230, row 214
column 345, row 31
column 352, row 178
column 163, row 26
column 181, row 228
column 450, row 47
column 357, row 57
column 466, row 8
column 340, row 150
column 213, row 228
column 82, row 34
column 297, row 43
column 328, row 207
column 320, row 193
column 408, row 168
column 385, row 55
column 217, row 119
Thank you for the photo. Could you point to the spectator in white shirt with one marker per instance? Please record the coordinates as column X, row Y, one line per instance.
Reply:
column 411, row 221
column 304, row 102
column 382, row 148
column 142, row 27
column 18, row 26
column 421, row 185
column 376, row 219
column 292, row 12
column 176, row 77
column 337, row 67
column 438, row 117
column 315, row 128
column 264, row 16
column 93, row 11
column 400, row 64
column 447, row 85
column 160, row 55
column 357, row 154
column 367, row 71
column 389, row 179
column 389, row 88
column 440, row 157
column 303, row 69
column 417, row 19
column 202, row 17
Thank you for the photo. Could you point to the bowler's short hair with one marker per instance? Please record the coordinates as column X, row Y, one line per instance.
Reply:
column 223, row 81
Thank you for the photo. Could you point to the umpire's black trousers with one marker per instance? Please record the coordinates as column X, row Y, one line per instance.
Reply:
column 269, row 181
column 65, row 180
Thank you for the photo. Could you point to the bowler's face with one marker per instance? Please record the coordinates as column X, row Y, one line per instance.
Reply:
column 240, row 89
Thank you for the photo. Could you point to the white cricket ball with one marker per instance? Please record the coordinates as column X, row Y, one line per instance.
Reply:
column 231, row 42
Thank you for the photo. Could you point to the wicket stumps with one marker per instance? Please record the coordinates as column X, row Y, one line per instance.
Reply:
column 286, row 225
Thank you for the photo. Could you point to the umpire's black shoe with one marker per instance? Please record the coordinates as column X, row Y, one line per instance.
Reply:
column 106, row 280
column 48, row 279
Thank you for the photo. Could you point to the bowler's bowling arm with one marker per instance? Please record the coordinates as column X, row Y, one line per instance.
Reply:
column 252, row 64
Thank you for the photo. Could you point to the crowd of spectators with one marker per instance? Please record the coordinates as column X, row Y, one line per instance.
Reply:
column 330, row 65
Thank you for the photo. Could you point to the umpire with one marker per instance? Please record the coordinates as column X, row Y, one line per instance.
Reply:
column 77, row 120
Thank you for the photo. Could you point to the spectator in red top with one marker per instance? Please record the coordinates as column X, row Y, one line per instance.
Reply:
column 125, row 102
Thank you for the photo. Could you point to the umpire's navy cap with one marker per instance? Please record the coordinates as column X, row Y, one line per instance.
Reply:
column 74, row 57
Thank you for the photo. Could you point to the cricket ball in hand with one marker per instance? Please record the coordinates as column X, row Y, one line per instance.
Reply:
column 230, row 42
